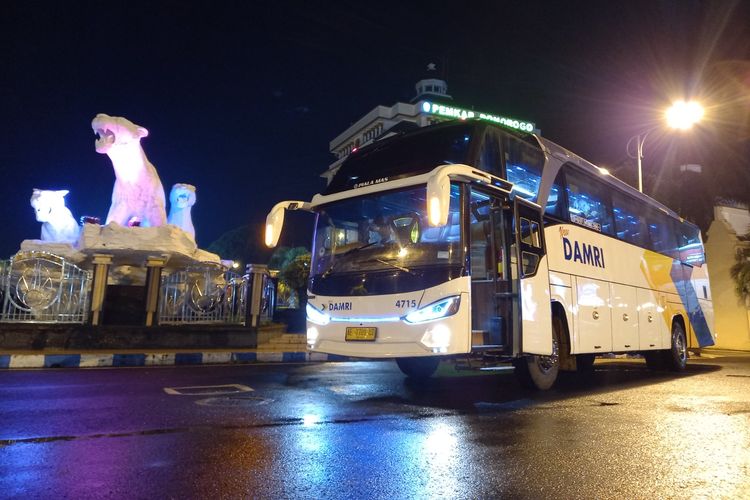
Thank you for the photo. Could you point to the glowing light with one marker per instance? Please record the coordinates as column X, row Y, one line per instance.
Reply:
column 437, row 337
column 438, row 309
column 403, row 252
column 683, row 115
column 603, row 171
column 434, row 211
column 315, row 316
column 463, row 114
column 310, row 420
column 312, row 335
column 269, row 235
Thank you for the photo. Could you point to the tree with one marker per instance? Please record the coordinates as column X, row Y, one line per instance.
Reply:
column 295, row 276
column 740, row 273
column 283, row 256
column 241, row 244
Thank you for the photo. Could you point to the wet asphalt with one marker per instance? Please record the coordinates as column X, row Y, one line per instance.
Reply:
column 360, row 430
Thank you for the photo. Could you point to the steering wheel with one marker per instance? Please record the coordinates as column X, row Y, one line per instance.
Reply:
column 406, row 227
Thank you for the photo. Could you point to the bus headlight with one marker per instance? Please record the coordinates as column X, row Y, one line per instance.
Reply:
column 439, row 309
column 315, row 316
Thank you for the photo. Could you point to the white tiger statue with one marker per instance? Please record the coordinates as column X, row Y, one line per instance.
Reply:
column 138, row 194
column 181, row 199
column 57, row 221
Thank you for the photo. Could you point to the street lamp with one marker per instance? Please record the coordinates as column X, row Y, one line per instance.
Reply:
column 681, row 115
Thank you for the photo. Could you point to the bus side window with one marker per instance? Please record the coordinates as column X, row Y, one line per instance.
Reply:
column 489, row 156
column 523, row 167
column 630, row 224
column 588, row 202
column 556, row 201
column 690, row 246
column 663, row 238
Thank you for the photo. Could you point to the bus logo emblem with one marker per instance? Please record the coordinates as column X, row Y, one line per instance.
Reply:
column 583, row 253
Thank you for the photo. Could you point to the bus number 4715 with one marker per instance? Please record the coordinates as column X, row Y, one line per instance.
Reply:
column 406, row 303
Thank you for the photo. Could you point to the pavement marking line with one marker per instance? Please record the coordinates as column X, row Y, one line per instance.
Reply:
column 207, row 390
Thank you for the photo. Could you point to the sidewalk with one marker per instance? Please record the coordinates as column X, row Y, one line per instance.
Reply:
column 286, row 348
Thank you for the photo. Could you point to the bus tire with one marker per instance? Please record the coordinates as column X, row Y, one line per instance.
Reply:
column 418, row 368
column 675, row 358
column 540, row 372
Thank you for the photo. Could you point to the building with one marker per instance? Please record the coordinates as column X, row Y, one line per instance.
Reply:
column 431, row 104
column 725, row 239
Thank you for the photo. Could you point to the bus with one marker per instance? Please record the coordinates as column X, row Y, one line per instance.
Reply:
column 470, row 241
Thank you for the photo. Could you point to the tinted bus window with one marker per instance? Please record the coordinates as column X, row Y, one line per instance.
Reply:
column 630, row 223
column 662, row 234
column 523, row 167
column 489, row 155
column 690, row 246
column 556, row 201
column 588, row 202
column 413, row 154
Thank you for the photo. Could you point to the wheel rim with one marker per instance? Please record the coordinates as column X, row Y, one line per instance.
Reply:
column 679, row 346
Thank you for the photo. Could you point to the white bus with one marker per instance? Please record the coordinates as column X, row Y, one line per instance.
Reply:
column 470, row 241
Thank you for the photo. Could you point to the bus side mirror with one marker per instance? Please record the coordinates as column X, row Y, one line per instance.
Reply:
column 275, row 219
column 438, row 199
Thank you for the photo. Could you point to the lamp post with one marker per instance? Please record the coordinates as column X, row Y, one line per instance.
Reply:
column 681, row 115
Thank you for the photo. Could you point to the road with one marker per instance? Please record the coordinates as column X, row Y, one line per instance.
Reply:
column 360, row 430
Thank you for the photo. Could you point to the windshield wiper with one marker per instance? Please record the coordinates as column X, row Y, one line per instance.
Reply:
column 348, row 252
column 400, row 268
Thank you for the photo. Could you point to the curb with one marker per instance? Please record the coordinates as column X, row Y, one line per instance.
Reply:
column 101, row 360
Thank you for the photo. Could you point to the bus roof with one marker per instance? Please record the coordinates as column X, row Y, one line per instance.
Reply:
column 567, row 156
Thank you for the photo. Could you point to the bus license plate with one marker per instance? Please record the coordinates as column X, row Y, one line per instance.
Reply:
column 360, row 333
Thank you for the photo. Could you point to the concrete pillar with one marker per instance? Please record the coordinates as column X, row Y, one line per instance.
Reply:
column 99, row 286
column 154, row 267
column 257, row 273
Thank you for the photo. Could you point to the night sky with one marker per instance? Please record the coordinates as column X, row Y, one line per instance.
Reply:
column 241, row 98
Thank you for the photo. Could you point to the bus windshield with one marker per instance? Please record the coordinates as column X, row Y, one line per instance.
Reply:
column 383, row 232
column 398, row 157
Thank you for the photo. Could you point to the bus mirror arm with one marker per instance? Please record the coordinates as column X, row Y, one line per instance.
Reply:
column 438, row 198
column 439, row 189
column 275, row 219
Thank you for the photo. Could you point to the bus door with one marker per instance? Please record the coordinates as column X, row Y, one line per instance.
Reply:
column 533, row 334
column 494, row 272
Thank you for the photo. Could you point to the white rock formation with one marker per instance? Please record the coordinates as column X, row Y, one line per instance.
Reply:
column 181, row 199
column 58, row 224
column 138, row 193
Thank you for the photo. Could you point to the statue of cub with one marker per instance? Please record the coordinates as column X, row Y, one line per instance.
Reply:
column 58, row 223
column 138, row 194
column 181, row 198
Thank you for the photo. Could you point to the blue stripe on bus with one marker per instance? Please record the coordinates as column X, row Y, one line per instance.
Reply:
column 692, row 305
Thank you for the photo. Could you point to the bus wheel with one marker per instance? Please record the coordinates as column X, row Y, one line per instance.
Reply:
column 539, row 372
column 418, row 368
column 676, row 357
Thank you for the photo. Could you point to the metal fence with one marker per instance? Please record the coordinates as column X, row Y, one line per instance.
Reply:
column 39, row 287
column 203, row 294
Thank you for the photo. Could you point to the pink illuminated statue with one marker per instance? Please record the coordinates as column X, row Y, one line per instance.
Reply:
column 58, row 224
column 181, row 199
column 138, row 194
